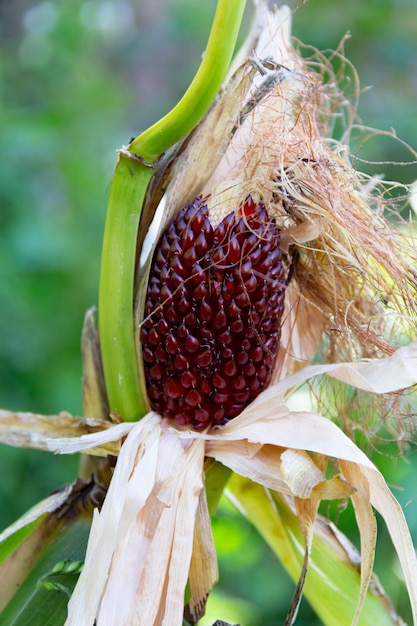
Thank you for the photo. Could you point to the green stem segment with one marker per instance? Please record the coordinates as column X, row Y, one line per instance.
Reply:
column 203, row 89
column 131, row 178
column 118, row 259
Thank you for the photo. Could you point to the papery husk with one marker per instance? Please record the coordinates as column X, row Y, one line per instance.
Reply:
column 351, row 267
column 267, row 423
column 147, row 524
column 145, row 528
column 94, row 388
column 306, row 513
column 33, row 430
column 203, row 574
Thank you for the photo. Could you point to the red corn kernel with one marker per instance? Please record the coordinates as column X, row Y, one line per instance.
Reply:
column 213, row 314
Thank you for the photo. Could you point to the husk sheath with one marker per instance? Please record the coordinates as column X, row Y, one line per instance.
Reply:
column 120, row 365
column 351, row 271
column 353, row 266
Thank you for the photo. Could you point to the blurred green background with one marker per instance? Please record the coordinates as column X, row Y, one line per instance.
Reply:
column 77, row 80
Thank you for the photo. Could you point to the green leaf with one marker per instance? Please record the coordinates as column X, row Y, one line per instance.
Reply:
column 42, row 554
column 43, row 596
column 23, row 542
column 11, row 543
column 333, row 583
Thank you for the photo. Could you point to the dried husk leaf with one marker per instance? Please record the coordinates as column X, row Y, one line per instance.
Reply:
column 260, row 463
column 32, row 430
column 367, row 526
column 85, row 601
column 147, row 524
column 146, row 527
column 102, row 443
column 306, row 514
column 384, row 502
column 204, row 572
column 299, row 341
column 307, row 481
column 94, row 388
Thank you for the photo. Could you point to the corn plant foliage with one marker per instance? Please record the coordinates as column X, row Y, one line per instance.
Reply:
column 275, row 519
column 42, row 598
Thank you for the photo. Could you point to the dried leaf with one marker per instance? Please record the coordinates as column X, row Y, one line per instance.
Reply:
column 385, row 503
column 101, row 443
column 259, row 463
column 32, row 430
column 84, row 604
column 367, row 528
column 203, row 567
column 306, row 480
column 306, row 513
column 146, row 527
column 94, row 388
column 381, row 375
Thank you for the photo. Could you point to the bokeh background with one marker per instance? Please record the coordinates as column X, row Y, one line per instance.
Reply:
column 77, row 80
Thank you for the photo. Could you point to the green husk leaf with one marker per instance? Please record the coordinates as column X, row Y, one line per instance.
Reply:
column 127, row 192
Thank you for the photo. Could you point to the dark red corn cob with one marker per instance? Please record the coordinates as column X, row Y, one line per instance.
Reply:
column 213, row 314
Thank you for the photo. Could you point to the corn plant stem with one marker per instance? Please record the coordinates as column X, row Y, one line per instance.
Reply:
column 131, row 178
column 202, row 90
column 116, row 324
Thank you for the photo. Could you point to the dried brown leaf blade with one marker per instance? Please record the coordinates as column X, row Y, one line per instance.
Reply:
column 306, row 513
column 32, row 430
column 367, row 527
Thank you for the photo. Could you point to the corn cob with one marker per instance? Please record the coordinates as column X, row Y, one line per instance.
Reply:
column 213, row 313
